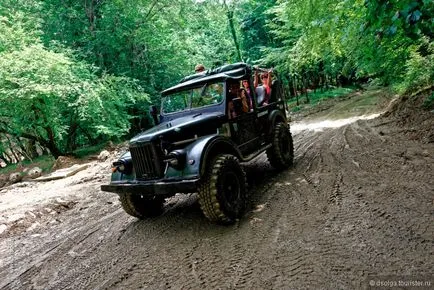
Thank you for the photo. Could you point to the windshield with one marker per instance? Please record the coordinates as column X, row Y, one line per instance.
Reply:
column 206, row 95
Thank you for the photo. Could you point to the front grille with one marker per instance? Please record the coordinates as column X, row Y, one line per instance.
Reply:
column 147, row 161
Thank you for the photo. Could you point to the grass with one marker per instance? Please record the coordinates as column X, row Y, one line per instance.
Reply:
column 317, row 97
column 45, row 162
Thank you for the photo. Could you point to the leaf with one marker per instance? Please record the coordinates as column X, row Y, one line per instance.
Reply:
column 396, row 16
column 416, row 16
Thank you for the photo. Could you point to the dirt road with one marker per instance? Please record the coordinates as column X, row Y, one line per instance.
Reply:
column 359, row 203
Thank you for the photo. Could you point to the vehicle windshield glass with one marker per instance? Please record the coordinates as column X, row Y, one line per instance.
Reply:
column 203, row 96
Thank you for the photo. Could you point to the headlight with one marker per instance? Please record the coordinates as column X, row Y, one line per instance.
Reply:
column 124, row 166
column 176, row 159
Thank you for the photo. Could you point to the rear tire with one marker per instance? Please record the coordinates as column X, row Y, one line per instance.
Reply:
column 223, row 190
column 281, row 153
column 140, row 207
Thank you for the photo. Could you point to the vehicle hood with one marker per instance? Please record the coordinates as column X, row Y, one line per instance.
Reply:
column 181, row 126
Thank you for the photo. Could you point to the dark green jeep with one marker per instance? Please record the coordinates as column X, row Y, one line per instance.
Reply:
column 208, row 125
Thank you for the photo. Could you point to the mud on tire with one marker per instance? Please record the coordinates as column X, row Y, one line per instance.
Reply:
column 140, row 207
column 281, row 153
column 223, row 191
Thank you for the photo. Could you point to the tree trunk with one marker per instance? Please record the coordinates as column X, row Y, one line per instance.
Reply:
column 294, row 85
column 51, row 144
column 11, row 149
column 230, row 15
column 23, row 150
column 90, row 8
column 31, row 149
column 304, row 82
column 70, row 143
column 89, row 137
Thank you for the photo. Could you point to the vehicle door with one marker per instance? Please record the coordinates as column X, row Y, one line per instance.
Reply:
column 244, row 126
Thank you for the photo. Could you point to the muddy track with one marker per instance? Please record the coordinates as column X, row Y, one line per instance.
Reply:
column 358, row 202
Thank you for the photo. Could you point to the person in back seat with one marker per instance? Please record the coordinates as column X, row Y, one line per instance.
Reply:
column 263, row 92
column 247, row 93
column 199, row 68
column 237, row 102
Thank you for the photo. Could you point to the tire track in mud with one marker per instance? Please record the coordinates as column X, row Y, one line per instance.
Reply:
column 355, row 214
column 64, row 248
column 273, row 221
column 39, row 250
column 144, row 240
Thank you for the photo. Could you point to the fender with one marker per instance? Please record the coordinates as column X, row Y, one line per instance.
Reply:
column 218, row 145
column 199, row 154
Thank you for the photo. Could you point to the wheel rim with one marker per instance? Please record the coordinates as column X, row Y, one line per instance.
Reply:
column 231, row 189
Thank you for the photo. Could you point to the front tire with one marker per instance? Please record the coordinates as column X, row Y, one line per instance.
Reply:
column 223, row 191
column 281, row 153
column 140, row 207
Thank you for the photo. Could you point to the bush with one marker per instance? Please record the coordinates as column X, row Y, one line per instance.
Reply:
column 419, row 68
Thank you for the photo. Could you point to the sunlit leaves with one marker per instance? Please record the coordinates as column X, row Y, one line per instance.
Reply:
column 350, row 38
column 44, row 94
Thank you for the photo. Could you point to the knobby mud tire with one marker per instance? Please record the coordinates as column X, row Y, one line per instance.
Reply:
column 281, row 153
column 140, row 207
column 223, row 191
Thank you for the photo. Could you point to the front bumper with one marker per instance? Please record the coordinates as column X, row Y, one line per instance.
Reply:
column 152, row 188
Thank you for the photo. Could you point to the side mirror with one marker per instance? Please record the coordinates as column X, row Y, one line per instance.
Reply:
column 154, row 114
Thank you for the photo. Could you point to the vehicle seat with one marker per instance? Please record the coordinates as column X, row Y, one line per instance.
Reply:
column 260, row 94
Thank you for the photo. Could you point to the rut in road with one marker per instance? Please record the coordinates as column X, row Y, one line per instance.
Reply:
column 358, row 202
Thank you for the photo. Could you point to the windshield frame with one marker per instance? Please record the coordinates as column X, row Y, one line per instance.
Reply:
column 202, row 88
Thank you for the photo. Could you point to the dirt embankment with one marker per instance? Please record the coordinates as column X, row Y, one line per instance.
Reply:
column 358, row 204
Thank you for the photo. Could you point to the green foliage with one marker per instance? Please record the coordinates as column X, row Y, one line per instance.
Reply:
column 325, row 39
column 84, row 152
column 253, row 17
column 329, row 94
column 318, row 96
column 19, row 27
column 295, row 109
column 419, row 68
column 50, row 96
column 157, row 42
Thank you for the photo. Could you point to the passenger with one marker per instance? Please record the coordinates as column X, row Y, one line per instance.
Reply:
column 235, row 94
column 199, row 68
column 245, row 100
column 248, row 93
column 231, row 110
column 263, row 92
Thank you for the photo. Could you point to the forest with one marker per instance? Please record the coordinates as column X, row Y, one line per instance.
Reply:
column 80, row 73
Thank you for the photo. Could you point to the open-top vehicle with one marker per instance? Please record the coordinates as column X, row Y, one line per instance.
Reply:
column 207, row 127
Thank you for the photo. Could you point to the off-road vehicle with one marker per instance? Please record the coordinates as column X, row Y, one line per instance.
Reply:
column 204, row 132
